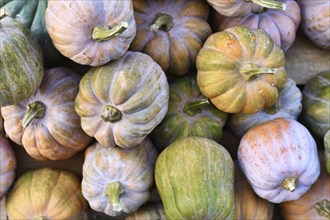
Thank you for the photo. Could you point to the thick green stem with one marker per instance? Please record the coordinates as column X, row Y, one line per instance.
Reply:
column 290, row 183
column 111, row 114
column 323, row 208
column 162, row 21
column 251, row 70
column 35, row 110
column 270, row 4
column 103, row 33
column 40, row 218
column 113, row 191
column 276, row 107
column 194, row 107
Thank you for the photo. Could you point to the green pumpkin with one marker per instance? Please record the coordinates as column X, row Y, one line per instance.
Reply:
column 21, row 62
column 316, row 104
column 195, row 180
column 327, row 151
column 31, row 13
column 189, row 114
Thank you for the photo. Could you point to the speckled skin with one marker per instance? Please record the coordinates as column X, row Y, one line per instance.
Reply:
column 274, row 150
column 70, row 25
column 133, row 168
column 58, row 135
column 7, row 165
column 21, row 62
column 46, row 192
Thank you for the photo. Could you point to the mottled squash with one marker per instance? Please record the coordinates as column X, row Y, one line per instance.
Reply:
column 326, row 142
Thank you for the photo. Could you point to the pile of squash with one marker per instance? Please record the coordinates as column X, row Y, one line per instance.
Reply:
column 160, row 82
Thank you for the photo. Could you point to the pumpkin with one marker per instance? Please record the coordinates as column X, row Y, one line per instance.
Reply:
column 314, row 204
column 189, row 114
column 150, row 211
column 195, row 180
column 120, row 103
column 46, row 124
column 279, row 159
column 117, row 180
column 241, row 70
column 45, row 193
column 171, row 32
column 7, row 165
column 288, row 105
column 91, row 32
column 21, row 62
column 326, row 142
column 281, row 25
column 316, row 104
column 239, row 8
column 248, row 204
column 316, row 21
column 32, row 15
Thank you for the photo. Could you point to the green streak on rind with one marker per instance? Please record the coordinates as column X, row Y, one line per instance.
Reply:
column 327, row 151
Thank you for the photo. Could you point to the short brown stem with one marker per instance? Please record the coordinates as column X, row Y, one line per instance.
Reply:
column 103, row 33
column 111, row 114
column 270, row 4
column 323, row 208
column 251, row 70
column 113, row 191
column 290, row 183
column 162, row 21
column 194, row 107
column 35, row 110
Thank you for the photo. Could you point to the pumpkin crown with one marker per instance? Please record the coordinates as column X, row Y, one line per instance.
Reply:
column 269, row 4
column 103, row 33
column 113, row 191
column 250, row 70
column 290, row 183
column 193, row 108
column 111, row 114
column 162, row 21
column 35, row 110
column 323, row 208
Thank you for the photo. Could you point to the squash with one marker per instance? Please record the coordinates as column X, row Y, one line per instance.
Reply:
column 279, row 159
column 189, row 114
column 7, row 165
column 32, row 15
column 314, row 204
column 120, row 103
column 46, row 124
column 241, row 70
column 316, row 104
column 45, row 193
column 281, row 25
column 288, row 105
column 326, row 142
column 195, row 180
column 171, row 32
column 117, row 180
column 239, row 8
column 21, row 62
column 91, row 32
column 316, row 22
column 248, row 204
column 149, row 211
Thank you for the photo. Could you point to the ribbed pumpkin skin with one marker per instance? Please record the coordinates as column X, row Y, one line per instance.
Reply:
column 316, row 21
column 304, row 207
column 290, row 106
column 21, row 62
column 221, row 64
column 58, row 135
column 281, row 25
column 175, row 50
column 248, row 204
column 136, row 86
column 326, row 142
column 316, row 104
column 195, row 180
column 233, row 8
column 133, row 168
column 70, row 25
column 150, row 211
column 31, row 13
column 206, row 121
column 45, row 192
column 7, row 165
column 272, row 151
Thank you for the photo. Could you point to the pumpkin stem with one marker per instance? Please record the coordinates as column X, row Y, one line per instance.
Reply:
column 103, row 33
column 290, row 183
column 270, row 4
column 113, row 191
column 162, row 21
column 40, row 218
column 35, row 110
column 250, row 70
column 194, row 107
column 111, row 114
column 276, row 107
column 323, row 208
